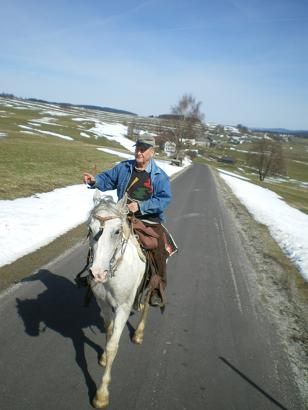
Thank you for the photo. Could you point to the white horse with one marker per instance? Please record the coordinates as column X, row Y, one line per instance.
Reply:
column 118, row 268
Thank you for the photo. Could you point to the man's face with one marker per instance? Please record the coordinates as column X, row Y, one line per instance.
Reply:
column 143, row 155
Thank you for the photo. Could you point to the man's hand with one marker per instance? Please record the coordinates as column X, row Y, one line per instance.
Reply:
column 133, row 207
column 88, row 179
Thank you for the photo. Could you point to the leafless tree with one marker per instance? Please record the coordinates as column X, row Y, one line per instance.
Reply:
column 189, row 108
column 268, row 157
column 133, row 129
column 242, row 129
column 187, row 119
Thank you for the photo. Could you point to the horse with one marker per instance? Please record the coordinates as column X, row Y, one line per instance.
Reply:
column 117, row 270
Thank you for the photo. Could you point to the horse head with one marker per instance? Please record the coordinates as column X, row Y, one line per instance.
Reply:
column 109, row 234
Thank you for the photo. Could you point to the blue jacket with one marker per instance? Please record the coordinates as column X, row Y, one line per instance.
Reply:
column 119, row 176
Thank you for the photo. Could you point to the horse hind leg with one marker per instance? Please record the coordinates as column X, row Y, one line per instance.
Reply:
column 101, row 398
column 139, row 332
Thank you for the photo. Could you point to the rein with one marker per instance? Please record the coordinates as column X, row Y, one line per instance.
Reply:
column 114, row 263
column 103, row 219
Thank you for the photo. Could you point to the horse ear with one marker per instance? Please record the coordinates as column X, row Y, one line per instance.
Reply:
column 122, row 204
column 97, row 197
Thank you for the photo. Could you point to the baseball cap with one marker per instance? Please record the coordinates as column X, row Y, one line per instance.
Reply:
column 146, row 139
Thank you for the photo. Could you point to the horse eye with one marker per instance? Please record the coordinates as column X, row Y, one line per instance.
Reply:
column 98, row 235
column 117, row 232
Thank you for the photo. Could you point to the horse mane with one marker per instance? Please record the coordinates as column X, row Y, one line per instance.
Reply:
column 107, row 205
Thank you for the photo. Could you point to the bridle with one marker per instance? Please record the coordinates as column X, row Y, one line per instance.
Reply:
column 121, row 244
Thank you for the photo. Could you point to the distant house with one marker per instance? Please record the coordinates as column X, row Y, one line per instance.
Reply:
column 235, row 140
column 233, row 131
column 189, row 141
column 205, row 142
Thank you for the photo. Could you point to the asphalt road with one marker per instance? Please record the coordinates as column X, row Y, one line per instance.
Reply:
column 213, row 348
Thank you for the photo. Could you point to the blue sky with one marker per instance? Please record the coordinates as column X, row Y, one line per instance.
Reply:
column 246, row 60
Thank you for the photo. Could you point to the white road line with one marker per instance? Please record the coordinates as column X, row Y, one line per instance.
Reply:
column 237, row 293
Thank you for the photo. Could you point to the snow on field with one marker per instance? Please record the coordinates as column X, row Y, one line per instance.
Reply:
column 65, row 137
column 44, row 120
column 287, row 225
column 113, row 132
column 30, row 223
column 57, row 113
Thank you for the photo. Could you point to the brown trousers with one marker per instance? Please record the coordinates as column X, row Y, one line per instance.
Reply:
column 160, row 254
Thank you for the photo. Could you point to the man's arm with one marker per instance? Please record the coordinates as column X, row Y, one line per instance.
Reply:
column 105, row 181
column 160, row 200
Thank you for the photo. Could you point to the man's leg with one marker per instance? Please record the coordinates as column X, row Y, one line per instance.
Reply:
column 160, row 256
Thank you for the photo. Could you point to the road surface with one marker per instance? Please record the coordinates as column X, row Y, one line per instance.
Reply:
column 213, row 348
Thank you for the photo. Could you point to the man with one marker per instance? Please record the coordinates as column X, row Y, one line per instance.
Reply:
column 148, row 189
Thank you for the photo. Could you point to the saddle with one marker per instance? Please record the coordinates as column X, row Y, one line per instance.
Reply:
column 145, row 235
column 148, row 238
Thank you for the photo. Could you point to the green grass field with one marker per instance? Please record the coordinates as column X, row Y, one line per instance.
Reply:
column 36, row 162
column 293, row 188
column 40, row 164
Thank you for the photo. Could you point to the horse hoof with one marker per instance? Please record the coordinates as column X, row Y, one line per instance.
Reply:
column 100, row 403
column 137, row 339
column 102, row 361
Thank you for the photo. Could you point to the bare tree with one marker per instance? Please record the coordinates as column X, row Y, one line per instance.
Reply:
column 133, row 129
column 242, row 129
column 268, row 157
column 187, row 119
column 189, row 108
column 164, row 132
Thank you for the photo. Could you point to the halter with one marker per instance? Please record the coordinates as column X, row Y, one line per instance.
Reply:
column 122, row 242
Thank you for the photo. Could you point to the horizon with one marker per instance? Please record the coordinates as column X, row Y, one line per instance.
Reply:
column 246, row 61
column 102, row 107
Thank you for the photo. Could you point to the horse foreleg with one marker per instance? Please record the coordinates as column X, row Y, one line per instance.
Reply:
column 109, row 330
column 139, row 332
column 101, row 398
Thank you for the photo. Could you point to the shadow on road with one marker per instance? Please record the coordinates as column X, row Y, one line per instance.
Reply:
column 60, row 308
column 253, row 384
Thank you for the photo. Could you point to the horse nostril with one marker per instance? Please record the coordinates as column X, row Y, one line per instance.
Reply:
column 99, row 275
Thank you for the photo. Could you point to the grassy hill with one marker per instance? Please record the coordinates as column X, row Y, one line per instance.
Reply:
column 293, row 188
column 44, row 146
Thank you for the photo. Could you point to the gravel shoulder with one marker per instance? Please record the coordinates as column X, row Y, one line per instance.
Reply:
column 277, row 285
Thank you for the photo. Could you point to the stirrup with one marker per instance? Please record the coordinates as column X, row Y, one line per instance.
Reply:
column 156, row 299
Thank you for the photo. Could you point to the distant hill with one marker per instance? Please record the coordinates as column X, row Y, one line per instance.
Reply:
column 61, row 104
column 296, row 133
column 89, row 107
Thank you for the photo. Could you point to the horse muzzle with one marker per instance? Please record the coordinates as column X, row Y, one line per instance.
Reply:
column 99, row 275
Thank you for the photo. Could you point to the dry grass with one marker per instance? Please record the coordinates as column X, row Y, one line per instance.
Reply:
column 31, row 164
